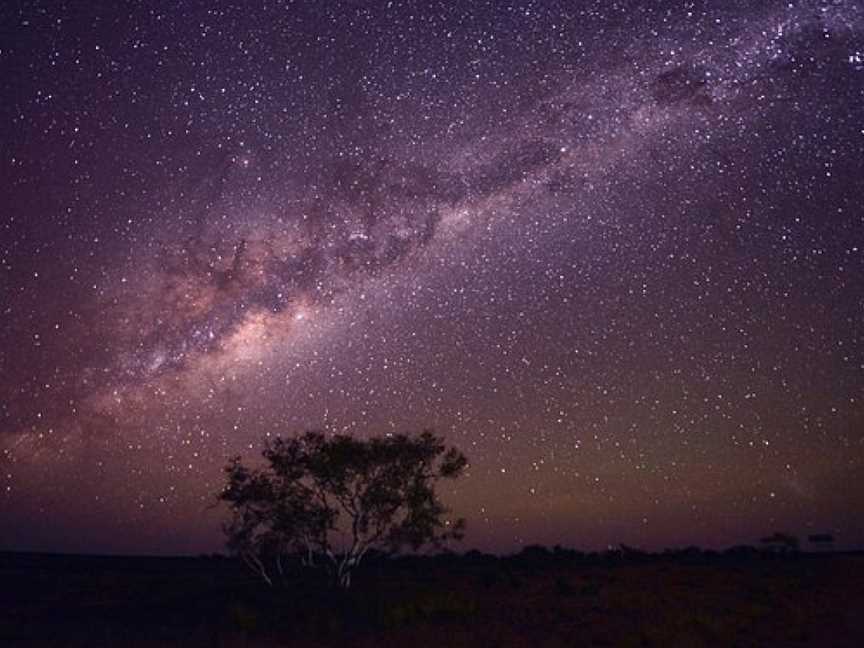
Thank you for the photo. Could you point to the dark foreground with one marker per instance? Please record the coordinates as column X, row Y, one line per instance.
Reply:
column 536, row 599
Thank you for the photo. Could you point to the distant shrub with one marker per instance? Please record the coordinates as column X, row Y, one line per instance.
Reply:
column 475, row 557
column 822, row 541
column 780, row 542
column 533, row 557
column 742, row 551
column 562, row 554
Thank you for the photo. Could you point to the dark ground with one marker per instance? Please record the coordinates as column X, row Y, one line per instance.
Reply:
column 538, row 598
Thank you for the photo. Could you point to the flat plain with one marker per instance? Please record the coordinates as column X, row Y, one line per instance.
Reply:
column 537, row 598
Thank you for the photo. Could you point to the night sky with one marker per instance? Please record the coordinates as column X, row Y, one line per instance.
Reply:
column 614, row 251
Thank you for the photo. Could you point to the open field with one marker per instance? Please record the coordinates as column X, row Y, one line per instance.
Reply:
column 543, row 599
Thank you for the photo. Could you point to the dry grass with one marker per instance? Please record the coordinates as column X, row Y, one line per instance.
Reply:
column 804, row 601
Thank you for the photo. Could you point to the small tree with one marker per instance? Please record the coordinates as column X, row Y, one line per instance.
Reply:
column 329, row 500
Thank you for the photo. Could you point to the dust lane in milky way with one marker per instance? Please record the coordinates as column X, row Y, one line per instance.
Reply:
column 613, row 253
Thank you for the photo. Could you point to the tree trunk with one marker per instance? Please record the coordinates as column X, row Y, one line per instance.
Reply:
column 345, row 579
column 342, row 574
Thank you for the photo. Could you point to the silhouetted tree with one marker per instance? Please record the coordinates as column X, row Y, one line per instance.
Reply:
column 330, row 500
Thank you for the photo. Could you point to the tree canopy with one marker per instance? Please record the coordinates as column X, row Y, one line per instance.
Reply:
column 328, row 500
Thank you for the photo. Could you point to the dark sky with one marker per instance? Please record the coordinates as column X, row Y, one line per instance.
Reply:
column 614, row 251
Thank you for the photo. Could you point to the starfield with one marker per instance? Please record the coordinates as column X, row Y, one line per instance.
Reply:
column 612, row 253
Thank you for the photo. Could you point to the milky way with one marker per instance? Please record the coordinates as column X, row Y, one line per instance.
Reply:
column 613, row 251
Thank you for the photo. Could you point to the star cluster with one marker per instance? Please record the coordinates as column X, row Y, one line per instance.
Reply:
column 613, row 251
